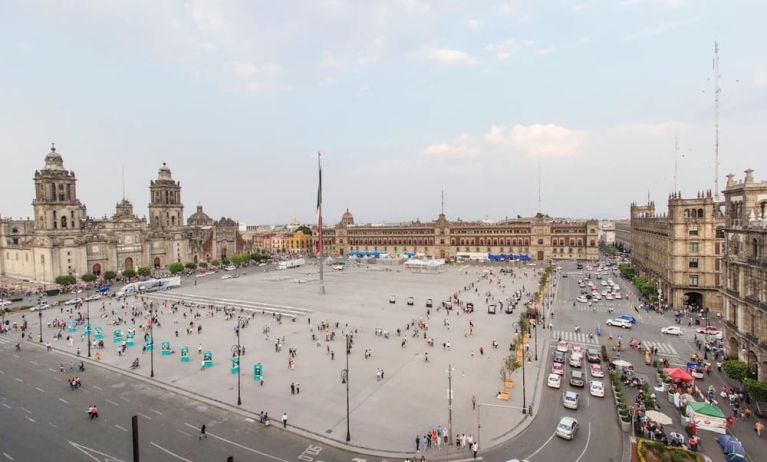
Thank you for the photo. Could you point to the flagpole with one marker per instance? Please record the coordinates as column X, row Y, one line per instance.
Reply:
column 319, row 223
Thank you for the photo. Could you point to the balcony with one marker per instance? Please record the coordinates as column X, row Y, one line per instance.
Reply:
column 756, row 302
column 732, row 293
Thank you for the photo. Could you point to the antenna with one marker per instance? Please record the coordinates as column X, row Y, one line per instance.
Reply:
column 123, row 180
column 676, row 161
column 539, row 184
column 717, row 90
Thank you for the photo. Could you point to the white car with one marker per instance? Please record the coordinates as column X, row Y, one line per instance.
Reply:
column 581, row 299
column 4, row 302
column 74, row 301
column 226, row 276
column 40, row 307
column 570, row 400
column 576, row 359
column 622, row 323
column 567, row 428
column 392, row 299
column 554, row 381
column 230, row 268
column 671, row 330
column 617, row 295
column 608, row 297
column 562, row 346
column 597, row 388
column 92, row 298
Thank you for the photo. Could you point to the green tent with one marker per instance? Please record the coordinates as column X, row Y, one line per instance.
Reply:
column 707, row 409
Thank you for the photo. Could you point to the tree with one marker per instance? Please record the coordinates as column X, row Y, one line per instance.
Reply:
column 225, row 261
column 191, row 265
column 109, row 275
column 176, row 267
column 144, row 271
column 88, row 277
column 203, row 264
column 65, row 280
column 237, row 259
column 129, row 273
column 214, row 263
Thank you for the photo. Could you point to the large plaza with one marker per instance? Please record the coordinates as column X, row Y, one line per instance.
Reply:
column 387, row 410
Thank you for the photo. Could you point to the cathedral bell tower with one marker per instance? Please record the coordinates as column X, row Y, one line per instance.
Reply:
column 165, row 207
column 56, row 205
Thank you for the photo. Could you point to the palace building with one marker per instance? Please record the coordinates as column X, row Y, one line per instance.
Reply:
column 63, row 239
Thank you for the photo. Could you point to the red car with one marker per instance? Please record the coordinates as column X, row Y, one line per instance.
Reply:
column 596, row 370
column 558, row 368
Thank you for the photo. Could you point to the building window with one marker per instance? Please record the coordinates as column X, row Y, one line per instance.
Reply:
column 693, row 280
column 720, row 233
column 694, row 247
column 540, row 241
column 693, row 231
column 693, row 263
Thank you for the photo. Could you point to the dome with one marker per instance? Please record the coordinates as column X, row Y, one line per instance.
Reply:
column 199, row 218
column 347, row 218
column 53, row 160
column 164, row 173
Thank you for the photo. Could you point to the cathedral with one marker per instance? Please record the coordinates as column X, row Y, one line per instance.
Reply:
column 63, row 239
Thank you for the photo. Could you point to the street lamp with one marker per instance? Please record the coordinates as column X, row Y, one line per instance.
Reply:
column 40, row 316
column 705, row 334
column 151, row 334
column 449, row 403
column 535, row 328
column 523, row 373
column 348, row 350
column 88, row 308
column 239, row 355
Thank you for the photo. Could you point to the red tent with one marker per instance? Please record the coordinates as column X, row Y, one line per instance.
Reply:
column 678, row 374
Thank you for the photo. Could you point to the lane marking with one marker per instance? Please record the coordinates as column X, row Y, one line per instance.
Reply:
column 7, row 406
column 1, row 372
column 588, row 438
column 144, row 416
column 97, row 387
column 183, row 432
column 121, row 428
column 30, row 419
column 169, row 452
column 113, row 403
column 26, row 410
column 125, row 399
column 19, row 380
column 34, row 363
column 40, row 389
column 241, row 446
column 7, row 456
column 52, row 369
column 155, row 411
column 63, row 401
column 542, row 446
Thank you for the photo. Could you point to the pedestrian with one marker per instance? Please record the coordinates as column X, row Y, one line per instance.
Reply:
column 475, row 448
column 292, row 388
column 284, row 420
column 203, row 434
column 473, row 402
column 417, row 443
column 759, row 427
column 298, row 388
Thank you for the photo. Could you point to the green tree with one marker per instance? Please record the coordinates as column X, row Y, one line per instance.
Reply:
column 191, row 265
column 203, row 264
column 129, row 273
column 225, row 261
column 176, row 267
column 65, row 280
column 88, row 277
column 237, row 259
column 144, row 271
column 215, row 263
column 109, row 275
column 734, row 369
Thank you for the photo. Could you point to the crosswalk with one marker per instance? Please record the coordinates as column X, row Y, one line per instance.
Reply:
column 601, row 308
column 663, row 348
column 574, row 337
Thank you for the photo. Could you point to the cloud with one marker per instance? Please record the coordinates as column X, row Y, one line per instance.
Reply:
column 449, row 56
column 463, row 147
column 661, row 28
column 663, row 4
column 504, row 50
column 260, row 77
column 207, row 14
column 514, row 8
column 653, row 129
column 760, row 78
column 415, row 6
column 538, row 140
column 473, row 23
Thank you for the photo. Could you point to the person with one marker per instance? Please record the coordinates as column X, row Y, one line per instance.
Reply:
column 284, row 420
column 82, row 367
column 203, row 433
column 135, row 364
column 18, row 346
column 93, row 412
column 475, row 448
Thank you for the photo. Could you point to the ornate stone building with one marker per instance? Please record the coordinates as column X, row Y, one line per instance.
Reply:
column 680, row 252
column 541, row 238
column 745, row 273
column 63, row 239
column 623, row 235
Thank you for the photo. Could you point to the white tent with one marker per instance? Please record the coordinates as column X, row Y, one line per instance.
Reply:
column 425, row 266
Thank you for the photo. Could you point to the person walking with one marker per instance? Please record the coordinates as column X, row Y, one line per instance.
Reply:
column 475, row 448
column 417, row 443
column 292, row 388
column 284, row 420
column 759, row 427
column 203, row 433
column 473, row 402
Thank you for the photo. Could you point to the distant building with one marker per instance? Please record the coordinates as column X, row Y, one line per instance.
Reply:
column 623, row 235
column 745, row 273
column 680, row 252
column 607, row 232
column 63, row 239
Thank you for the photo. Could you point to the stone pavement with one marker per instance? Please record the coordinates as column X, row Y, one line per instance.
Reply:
column 385, row 414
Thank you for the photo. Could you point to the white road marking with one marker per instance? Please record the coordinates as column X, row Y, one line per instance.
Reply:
column 30, row 419
column 588, row 438
column 97, row 387
column 7, row 406
column 121, row 428
column 16, row 356
column 90, row 453
column 144, row 416
column 169, row 452
column 52, row 369
column 239, row 445
column 542, row 446
column 40, row 389
column 34, row 363
column 19, row 380
column 155, row 411
column 7, row 456
column 63, row 401
column 1, row 372
column 125, row 399
column 183, row 432
column 26, row 410
column 113, row 403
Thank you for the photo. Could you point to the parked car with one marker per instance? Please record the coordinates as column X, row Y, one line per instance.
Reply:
column 596, row 370
column 570, row 400
column 93, row 298
column 558, row 368
column 4, row 302
column 597, row 388
column 567, row 428
column 617, row 322
column 592, row 356
column 576, row 378
column 554, row 381
column 672, row 330
column 559, row 357
column 73, row 301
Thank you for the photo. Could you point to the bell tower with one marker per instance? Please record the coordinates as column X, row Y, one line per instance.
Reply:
column 165, row 207
column 56, row 205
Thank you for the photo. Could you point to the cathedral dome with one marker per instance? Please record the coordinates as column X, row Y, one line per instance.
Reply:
column 164, row 173
column 53, row 160
column 199, row 218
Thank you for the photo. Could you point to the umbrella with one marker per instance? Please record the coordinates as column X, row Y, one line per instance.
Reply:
column 678, row 374
column 659, row 417
column 621, row 363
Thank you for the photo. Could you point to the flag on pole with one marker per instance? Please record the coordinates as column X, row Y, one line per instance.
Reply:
column 318, row 246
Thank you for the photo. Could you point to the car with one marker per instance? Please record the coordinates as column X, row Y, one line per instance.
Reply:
column 449, row 305
column 617, row 295
column 596, row 370
column 559, row 357
column 711, row 331
column 93, row 298
column 226, row 276
column 577, row 349
column 4, row 302
column 616, row 287
column 603, row 283
column 597, row 388
column 576, row 379
column 558, row 368
column 592, row 356
column 410, row 301
column 40, row 307
column 609, row 297
column 73, row 301
column 671, row 330
column 392, row 299
column 576, row 359
column 617, row 322
column 562, row 346
column 554, row 381
column 628, row 318
column 230, row 268
column 567, row 428
column 570, row 400
column 581, row 299
column 564, row 275
column 429, row 303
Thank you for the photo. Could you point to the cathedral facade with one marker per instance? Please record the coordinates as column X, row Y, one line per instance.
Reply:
column 63, row 239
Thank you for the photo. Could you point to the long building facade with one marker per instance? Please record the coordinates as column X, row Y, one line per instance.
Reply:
column 63, row 239
column 680, row 251
column 745, row 273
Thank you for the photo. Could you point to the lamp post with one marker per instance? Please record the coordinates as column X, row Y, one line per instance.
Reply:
column 40, row 317
column 88, row 309
column 348, row 350
column 239, row 356
column 535, row 328
column 524, row 353
column 151, row 334
column 449, row 404
column 705, row 333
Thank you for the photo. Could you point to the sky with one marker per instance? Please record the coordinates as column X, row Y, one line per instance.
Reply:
column 404, row 98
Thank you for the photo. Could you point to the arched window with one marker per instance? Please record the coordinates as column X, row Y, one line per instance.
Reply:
column 687, row 213
column 700, row 213
column 755, row 248
column 63, row 222
column 763, row 209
